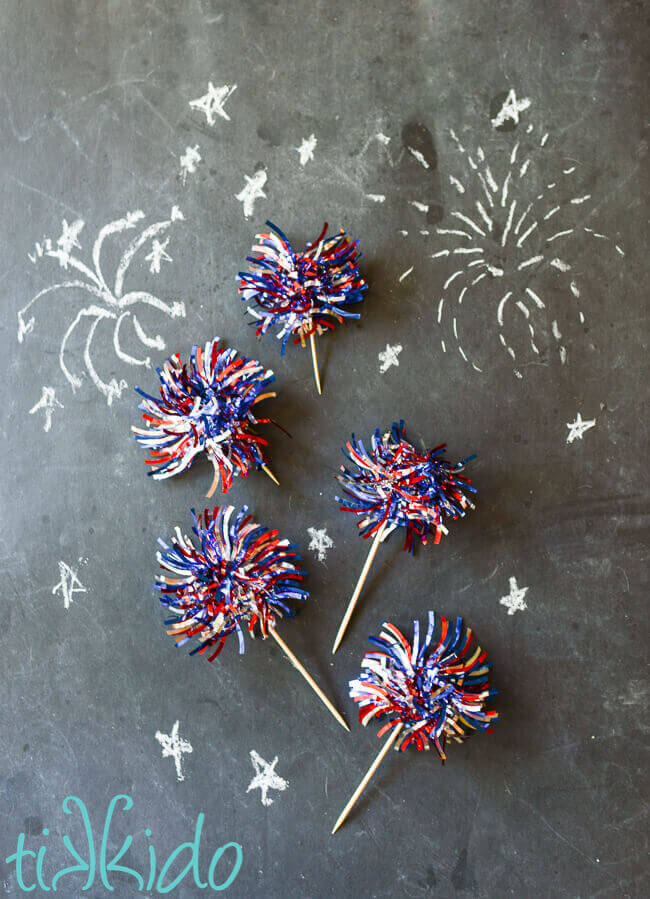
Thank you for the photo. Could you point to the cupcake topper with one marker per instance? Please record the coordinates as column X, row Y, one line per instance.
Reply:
column 305, row 293
column 393, row 485
column 237, row 576
column 206, row 407
column 425, row 693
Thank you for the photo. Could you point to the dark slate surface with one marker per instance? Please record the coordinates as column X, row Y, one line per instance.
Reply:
column 95, row 111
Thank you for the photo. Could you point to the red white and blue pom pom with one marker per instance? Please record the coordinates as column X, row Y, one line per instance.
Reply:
column 235, row 576
column 206, row 406
column 394, row 486
column 437, row 689
column 301, row 293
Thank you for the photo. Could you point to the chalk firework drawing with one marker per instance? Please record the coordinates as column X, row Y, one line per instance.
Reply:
column 174, row 746
column 103, row 298
column 578, row 427
column 508, row 230
column 47, row 404
column 213, row 103
column 69, row 583
column 319, row 542
column 514, row 601
column 266, row 778
column 252, row 191
column 389, row 356
column 189, row 161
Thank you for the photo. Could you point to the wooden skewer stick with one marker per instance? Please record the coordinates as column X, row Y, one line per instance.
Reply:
column 359, row 790
column 312, row 683
column 314, row 359
column 357, row 589
column 267, row 470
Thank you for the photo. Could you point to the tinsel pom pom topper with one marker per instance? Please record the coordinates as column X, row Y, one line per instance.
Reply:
column 302, row 293
column 206, row 406
column 426, row 693
column 234, row 575
column 392, row 485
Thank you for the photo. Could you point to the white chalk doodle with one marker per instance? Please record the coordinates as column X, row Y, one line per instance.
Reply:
column 506, row 228
column 174, row 746
column 405, row 274
column 376, row 198
column 108, row 300
column 157, row 255
column 69, row 583
column 319, row 542
column 212, row 104
column 47, row 403
column 306, row 149
column 420, row 158
column 382, row 138
column 578, row 427
column 266, row 778
column 189, row 161
column 510, row 109
column 389, row 356
column 514, row 601
column 252, row 191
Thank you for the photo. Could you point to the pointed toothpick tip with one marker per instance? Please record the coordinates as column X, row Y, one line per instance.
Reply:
column 359, row 790
column 310, row 680
column 267, row 471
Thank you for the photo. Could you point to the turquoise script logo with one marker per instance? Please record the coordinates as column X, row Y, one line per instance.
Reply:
column 29, row 864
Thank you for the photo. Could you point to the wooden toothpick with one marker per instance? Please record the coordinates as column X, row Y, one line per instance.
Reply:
column 357, row 589
column 267, row 470
column 312, row 683
column 314, row 359
column 359, row 790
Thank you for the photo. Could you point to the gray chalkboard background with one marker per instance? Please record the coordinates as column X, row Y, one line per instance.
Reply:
column 95, row 103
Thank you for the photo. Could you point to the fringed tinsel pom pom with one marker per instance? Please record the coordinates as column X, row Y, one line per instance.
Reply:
column 236, row 575
column 301, row 293
column 206, row 406
column 437, row 690
column 396, row 485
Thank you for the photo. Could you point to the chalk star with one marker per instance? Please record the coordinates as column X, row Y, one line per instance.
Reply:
column 48, row 400
column 578, row 427
column 212, row 103
column 189, row 161
column 252, row 191
column 69, row 239
column 319, row 542
column 157, row 255
column 174, row 746
column 306, row 149
column 510, row 109
column 68, row 585
column 389, row 356
column 514, row 601
column 265, row 777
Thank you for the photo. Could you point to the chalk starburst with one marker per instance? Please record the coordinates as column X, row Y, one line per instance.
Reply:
column 105, row 298
column 513, row 234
